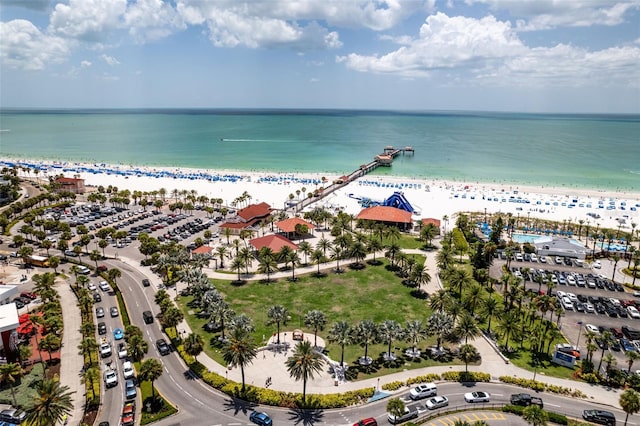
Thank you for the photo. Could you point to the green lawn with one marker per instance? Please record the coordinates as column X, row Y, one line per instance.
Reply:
column 25, row 388
column 374, row 293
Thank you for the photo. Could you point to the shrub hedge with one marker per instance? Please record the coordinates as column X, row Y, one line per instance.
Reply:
column 542, row 387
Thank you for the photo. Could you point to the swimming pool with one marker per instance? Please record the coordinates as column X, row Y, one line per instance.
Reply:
column 525, row 238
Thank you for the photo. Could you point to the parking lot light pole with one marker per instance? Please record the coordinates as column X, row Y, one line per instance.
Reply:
column 579, row 334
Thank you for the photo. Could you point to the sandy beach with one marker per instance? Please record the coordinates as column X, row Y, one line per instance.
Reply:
column 430, row 198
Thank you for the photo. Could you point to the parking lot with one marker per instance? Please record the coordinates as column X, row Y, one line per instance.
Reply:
column 588, row 298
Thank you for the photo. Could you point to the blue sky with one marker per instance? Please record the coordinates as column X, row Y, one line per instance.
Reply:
column 498, row 55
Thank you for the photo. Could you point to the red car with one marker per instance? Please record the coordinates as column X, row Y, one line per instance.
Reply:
column 102, row 268
column 128, row 414
column 367, row 422
column 28, row 295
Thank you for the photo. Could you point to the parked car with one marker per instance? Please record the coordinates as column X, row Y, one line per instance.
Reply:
column 104, row 286
column 110, row 378
column 437, row 402
column 113, row 311
column 409, row 413
column 260, row 418
column 476, row 397
column 423, row 391
column 127, row 370
column 118, row 334
column 105, row 349
column 13, row 415
column 99, row 312
column 102, row 328
column 130, row 391
column 369, row 421
column 122, row 350
column 96, row 297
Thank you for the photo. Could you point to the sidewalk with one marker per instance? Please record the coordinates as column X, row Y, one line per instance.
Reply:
column 72, row 361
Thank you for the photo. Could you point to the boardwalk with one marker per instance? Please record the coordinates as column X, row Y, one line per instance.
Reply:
column 385, row 159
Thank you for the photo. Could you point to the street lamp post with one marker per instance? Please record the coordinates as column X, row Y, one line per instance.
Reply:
column 579, row 334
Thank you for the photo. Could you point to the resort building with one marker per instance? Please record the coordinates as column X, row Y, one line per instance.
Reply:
column 293, row 226
column 435, row 222
column 248, row 218
column 550, row 246
column 8, row 335
column 274, row 241
column 74, row 185
column 387, row 215
column 204, row 250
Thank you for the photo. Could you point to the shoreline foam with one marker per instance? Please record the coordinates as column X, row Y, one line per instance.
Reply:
column 434, row 197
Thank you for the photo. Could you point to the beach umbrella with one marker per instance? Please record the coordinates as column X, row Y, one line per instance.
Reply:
column 23, row 318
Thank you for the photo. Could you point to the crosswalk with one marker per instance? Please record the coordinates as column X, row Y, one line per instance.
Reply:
column 468, row 417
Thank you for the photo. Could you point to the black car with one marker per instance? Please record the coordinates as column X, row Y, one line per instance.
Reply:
column 102, row 328
column 600, row 417
column 97, row 297
column 147, row 316
column 163, row 347
column 145, row 283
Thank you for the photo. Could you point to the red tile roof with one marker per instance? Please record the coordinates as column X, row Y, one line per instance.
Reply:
column 202, row 250
column 289, row 225
column 274, row 241
column 428, row 220
column 385, row 214
column 68, row 180
column 255, row 211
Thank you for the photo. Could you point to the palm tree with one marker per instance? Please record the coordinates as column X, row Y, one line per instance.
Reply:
column 396, row 407
column 9, row 373
column 414, row 332
column 631, row 356
column 150, row 371
column 468, row 353
column 306, row 249
column 90, row 376
column 440, row 300
column 439, row 324
column 365, row 333
column 467, row 327
column 303, row 364
column 419, row 275
column 630, row 402
column 277, row 314
column 52, row 403
column 315, row 319
column 489, row 307
column 137, row 347
column 535, row 415
column 239, row 350
column 267, row 264
column 194, row 345
column 389, row 331
column 341, row 334
column 317, row 257
column 606, row 339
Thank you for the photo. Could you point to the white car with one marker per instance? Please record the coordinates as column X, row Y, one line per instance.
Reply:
column 122, row 350
column 91, row 286
column 110, row 378
column 476, row 397
column 534, row 257
column 589, row 308
column 105, row 349
column 104, row 286
column 633, row 312
column 542, row 259
column 567, row 304
column 592, row 328
column 437, row 402
column 127, row 370
column 423, row 391
column 597, row 264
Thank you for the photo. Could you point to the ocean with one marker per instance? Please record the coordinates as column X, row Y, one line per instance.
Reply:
column 581, row 151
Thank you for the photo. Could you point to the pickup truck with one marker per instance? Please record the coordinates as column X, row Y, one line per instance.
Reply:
column 525, row 399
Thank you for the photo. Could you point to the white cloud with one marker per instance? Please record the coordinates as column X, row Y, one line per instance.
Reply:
column 487, row 51
column 24, row 46
column 444, row 42
column 296, row 23
column 85, row 64
column 110, row 60
column 88, row 20
column 150, row 20
column 534, row 15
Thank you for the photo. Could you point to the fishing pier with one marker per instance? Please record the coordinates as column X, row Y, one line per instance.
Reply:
column 385, row 159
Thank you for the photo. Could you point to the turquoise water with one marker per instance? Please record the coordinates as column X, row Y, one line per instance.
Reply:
column 582, row 151
column 525, row 238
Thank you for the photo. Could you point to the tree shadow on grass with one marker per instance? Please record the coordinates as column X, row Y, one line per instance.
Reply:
column 357, row 266
column 238, row 283
column 374, row 262
column 306, row 417
column 419, row 294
